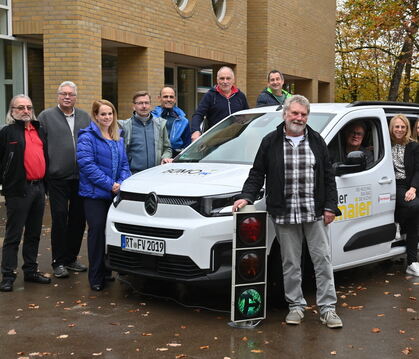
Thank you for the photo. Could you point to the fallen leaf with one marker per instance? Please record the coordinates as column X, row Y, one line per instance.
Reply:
column 397, row 295
column 11, row 332
column 333, row 352
column 244, row 339
column 402, row 331
column 162, row 349
column 412, row 298
column 387, row 293
column 180, row 356
column 407, row 350
column 202, row 347
column 356, row 307
column 71, row 325
column 410, row 310
column 174, row 345
column 183, row 327
column 380, row 315
column 375, row 330
column 108, row 349
column 344, row 305
column 63, row 336
column 97, row 354
column 146, row 334
column 257, row 351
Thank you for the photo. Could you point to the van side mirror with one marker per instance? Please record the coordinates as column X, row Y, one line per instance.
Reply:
column 355, row 161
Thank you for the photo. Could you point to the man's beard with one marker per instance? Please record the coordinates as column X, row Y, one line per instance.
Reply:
column 295, row 127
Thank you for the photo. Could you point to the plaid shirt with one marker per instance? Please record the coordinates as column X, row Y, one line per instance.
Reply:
column 299, row 162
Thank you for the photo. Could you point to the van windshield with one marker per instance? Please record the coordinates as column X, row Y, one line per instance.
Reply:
column 237, row 138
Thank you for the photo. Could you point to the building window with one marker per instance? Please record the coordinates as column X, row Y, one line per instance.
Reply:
column 5, row 18
column 220, row 8
column 181, row 4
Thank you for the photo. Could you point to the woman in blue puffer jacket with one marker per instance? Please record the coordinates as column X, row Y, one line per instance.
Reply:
column 103, row 166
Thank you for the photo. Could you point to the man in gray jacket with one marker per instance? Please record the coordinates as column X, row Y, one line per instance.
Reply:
column 61, row 125
column 146, row 138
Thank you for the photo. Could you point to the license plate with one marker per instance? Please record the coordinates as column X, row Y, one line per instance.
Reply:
column 154, row 247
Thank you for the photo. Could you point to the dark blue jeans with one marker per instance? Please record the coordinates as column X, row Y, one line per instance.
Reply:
column 96, row 211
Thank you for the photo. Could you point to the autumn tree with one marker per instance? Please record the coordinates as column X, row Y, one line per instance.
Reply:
column 377, row 50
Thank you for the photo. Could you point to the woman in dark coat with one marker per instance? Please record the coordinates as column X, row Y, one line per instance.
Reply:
column 405, row 153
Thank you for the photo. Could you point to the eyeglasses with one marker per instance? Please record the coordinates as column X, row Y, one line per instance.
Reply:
column 22, row 108
column 65, row 94
column 142, row 103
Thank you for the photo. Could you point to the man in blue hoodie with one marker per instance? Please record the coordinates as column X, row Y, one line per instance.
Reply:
column 219, row 102
column 176, row 122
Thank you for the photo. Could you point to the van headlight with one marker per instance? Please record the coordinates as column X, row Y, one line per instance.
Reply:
column 216, row 206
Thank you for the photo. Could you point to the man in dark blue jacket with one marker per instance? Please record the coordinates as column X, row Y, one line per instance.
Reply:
column 23, row 163
column 219, row 102
column 273, row 94
column 176, row 122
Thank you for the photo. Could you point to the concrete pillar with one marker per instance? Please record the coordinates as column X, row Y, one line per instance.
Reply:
column 307, row 88
column 73, row 52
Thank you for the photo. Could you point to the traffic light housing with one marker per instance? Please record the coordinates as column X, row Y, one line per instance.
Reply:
column 249, row 263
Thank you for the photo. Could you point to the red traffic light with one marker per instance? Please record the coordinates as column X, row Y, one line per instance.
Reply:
column 251, row 230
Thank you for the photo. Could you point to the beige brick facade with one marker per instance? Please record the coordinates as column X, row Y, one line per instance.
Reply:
column 296, row 36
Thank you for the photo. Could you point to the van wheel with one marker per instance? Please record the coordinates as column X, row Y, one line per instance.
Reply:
column 275, row 288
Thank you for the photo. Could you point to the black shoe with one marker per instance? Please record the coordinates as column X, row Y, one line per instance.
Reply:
column 60, row 272
column 6, row 285
column 97, row 287
column 76, row 266
column 36, row 277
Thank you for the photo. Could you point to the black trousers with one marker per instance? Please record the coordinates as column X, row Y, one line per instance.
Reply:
column 407, row 214
column 68, row 221
column 96, row 211
column 23, row 213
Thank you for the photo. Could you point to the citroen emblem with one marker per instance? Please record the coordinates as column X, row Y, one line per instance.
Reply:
column 150, row 203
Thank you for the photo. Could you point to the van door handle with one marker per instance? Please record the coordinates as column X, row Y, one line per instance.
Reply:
column 385, row 180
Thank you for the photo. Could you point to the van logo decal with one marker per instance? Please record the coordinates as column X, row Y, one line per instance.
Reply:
column 196, row 172
column 150, row 203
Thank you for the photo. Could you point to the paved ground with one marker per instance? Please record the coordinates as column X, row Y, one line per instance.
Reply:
column 67, row 320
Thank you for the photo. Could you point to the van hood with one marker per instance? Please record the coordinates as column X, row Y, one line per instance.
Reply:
column 188, row 179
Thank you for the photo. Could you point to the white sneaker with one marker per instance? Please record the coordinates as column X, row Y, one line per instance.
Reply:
column 413, row 269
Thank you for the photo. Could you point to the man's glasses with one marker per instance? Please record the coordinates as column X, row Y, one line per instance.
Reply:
column 65, row 94
column 22, row 108
column 142, row 103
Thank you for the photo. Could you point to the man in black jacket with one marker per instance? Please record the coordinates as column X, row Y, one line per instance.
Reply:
column 23, row 166
column 62, row 124
column 301, row 198
column 273, row 94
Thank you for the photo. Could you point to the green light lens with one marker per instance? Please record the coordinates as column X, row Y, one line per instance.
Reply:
column 249, row 303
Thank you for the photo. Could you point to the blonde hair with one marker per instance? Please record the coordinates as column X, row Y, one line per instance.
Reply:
column 407, row 137
column 113, row 128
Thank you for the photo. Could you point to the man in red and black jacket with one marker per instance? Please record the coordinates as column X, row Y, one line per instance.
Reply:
column 219, row 102
column 23, row 164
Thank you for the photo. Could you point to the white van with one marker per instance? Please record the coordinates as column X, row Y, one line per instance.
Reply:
column 174, row 221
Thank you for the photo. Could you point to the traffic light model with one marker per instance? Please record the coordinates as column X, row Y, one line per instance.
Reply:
column 249, row 267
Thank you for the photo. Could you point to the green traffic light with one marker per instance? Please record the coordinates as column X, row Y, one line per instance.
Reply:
column 249, row 303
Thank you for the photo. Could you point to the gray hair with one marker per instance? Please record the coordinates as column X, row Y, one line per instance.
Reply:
column 300, row 99
column 225, row 68
column 9, row 119
column 68, row 83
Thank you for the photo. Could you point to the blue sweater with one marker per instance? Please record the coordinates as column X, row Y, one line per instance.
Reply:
column 94, row 157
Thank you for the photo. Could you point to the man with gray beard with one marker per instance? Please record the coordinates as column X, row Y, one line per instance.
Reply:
column 22, row 165
column 301, row 198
